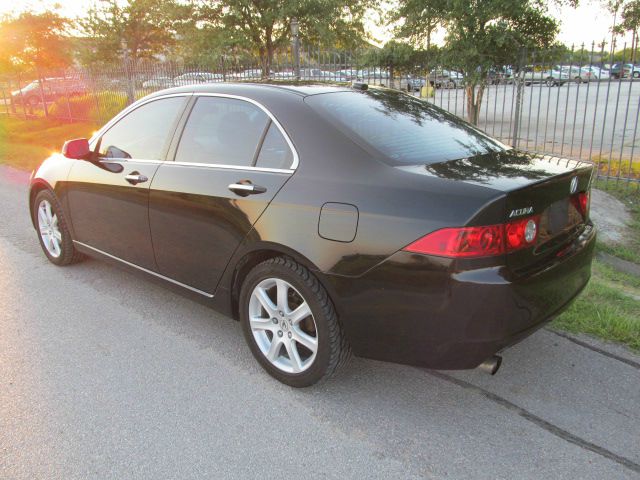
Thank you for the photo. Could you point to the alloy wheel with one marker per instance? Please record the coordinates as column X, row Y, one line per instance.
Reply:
column 49, row 229
column 283, row 326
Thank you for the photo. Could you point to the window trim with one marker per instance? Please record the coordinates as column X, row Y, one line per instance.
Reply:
column 273, row 120
column 96, row 138
column 188, row 107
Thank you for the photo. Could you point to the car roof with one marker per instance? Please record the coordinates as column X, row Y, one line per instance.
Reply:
column 296, row 88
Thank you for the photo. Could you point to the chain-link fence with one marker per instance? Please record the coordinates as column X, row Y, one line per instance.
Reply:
column 576, row 103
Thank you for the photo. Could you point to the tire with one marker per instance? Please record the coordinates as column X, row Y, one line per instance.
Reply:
column 56, row 224
column 322, row 325
column 550, row 82
column 636, row 74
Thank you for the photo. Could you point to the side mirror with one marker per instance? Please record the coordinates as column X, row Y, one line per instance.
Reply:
column 78, row 148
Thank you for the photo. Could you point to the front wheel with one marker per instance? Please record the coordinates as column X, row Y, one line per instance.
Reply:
column 550, row 82
column 290, row 323
column 53, row 232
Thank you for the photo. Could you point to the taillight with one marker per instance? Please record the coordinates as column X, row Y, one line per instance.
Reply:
column 521, row 233
column 581, row 202
column 484, row 241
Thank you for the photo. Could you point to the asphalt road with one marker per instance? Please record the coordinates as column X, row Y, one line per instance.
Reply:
column 103, row 375
column 587, row 121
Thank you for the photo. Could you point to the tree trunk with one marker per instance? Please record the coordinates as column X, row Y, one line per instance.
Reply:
column 474, row 102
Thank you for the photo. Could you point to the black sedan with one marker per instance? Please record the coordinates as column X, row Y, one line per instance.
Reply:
column 328, row 220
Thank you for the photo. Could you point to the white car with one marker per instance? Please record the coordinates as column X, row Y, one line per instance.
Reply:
column 158, row 82
column 597, row 73
column 192, row 78
column 575, row 73
column 549, row 77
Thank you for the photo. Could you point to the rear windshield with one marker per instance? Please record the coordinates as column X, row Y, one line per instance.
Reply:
column 404, row 129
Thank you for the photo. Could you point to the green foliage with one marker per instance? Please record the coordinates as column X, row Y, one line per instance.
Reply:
column 417, row 20
column 34, row 40
column 135, row 29
column 265, row 26
column 94, row 109
column 481, row 35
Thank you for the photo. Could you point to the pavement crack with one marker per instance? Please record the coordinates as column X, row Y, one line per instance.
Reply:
column 593, row 348
column 540, row 422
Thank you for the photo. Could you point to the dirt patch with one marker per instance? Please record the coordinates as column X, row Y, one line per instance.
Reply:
column 610, row 216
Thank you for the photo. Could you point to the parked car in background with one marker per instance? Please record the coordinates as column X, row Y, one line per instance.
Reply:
column 415, row 83
column 192, row 78
column 551, row 77
column 596, row 73
column 497, row 76
column 158, row 82
column 49, row 90
column 373, row 74
column 446, row 79
column 251, row 74
column 283, row 75
column 348, row 74
column 623, row 70
column 575, row 73
column 380, row 225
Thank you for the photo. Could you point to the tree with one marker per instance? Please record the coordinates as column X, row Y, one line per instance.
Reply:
column 630, row 23
column 263, row 26
column 416, row 21
column 33, row 40
column 393, row 56
column 135, row 30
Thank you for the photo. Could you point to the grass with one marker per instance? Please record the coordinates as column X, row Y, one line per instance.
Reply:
column 25, row 143
column 616, row 167
column 605, row 311
column 609, row 308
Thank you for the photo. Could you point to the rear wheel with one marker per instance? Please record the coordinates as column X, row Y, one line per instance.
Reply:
column 550, row 82
column 53, row 232
column 290, row 323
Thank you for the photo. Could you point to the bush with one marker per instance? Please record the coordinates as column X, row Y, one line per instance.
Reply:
column 96, row 108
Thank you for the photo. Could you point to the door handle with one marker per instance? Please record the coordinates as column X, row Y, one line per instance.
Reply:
column 244, row 189
column 135, row 178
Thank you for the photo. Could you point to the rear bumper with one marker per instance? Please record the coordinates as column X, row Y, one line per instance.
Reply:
column 427, row 311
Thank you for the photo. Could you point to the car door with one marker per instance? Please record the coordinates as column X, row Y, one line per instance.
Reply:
column 108, row 197
column 231, row 159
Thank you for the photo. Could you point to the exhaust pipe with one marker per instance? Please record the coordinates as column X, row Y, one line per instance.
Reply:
column 491, row 365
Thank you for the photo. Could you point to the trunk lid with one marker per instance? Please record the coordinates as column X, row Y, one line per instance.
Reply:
column 534, row 185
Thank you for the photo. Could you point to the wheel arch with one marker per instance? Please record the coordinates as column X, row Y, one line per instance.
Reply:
column 258, row 253
column 37, row 185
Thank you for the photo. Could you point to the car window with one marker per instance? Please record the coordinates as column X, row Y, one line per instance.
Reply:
column 402, row 128
column 275, row 151
column 144, row 132
column 223, row 131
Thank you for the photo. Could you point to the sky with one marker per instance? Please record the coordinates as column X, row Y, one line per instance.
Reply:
column 588, row 23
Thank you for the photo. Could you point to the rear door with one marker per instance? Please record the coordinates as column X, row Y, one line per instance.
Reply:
column 231, row 159
column 108, row 197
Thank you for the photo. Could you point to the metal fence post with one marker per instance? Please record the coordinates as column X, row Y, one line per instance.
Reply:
column 295, row 30
column 519, row 99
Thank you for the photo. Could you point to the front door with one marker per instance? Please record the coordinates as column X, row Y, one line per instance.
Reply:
column 109, row 196
column 231, row 160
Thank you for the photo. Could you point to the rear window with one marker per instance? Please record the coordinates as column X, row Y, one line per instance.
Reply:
column 404, row 129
